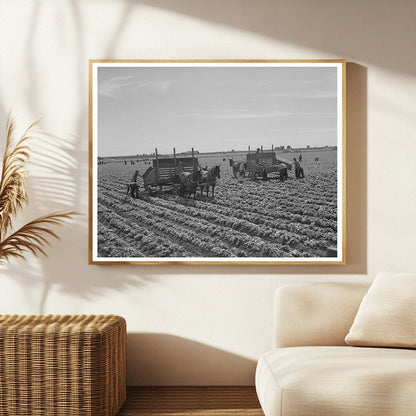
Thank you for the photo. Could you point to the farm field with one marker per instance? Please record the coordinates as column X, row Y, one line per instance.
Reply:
column 267, row 219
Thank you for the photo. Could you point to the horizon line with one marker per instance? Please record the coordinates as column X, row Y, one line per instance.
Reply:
column 197, row 152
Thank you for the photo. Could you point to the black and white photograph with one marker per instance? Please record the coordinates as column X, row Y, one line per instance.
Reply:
column 208, row 162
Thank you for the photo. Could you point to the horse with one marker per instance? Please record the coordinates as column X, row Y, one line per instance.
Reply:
column 189, row 182
column 209, row 178
column 282, row 169
column 133, row 187
column 239, row 168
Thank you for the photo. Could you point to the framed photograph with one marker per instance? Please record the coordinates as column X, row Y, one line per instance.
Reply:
column 217, row 162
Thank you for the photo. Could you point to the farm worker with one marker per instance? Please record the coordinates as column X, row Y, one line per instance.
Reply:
column 258, row 156
column 264, row 172
column 301, row 173
column 297, row 168
column 133, row 187
column 241, row 172
column 282, row 169
column 300, row 157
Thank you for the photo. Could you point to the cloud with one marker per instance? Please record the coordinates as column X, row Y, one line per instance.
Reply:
column 304, row 89
column 238, row 114
column 115, row 86
column 127, row 85
column 228, row 114
column 301, row 95
column 153, row 86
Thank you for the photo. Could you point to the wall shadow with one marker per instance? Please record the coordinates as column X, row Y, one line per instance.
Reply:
column 64, row 184
column 58, row 180
column 356, row 143
column 53, row 187
column 169, row 360
column 356, row 199
column 339, row 28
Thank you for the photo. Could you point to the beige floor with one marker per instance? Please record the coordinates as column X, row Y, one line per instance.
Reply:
column 187, row 401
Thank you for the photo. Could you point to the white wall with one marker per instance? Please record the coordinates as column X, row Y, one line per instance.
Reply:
column 204, row 325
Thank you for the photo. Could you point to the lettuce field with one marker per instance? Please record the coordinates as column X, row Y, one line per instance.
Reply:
column 246, row 218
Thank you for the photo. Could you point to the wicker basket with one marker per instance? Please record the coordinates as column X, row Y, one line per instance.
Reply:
column 54, row 365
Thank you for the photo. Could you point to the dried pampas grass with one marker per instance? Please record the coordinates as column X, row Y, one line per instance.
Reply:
column 34, row 236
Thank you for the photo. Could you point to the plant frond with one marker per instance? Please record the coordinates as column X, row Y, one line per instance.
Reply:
column 33, row 237
column 12, row 182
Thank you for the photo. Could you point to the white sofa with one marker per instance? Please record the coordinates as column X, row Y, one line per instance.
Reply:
column 311, row 371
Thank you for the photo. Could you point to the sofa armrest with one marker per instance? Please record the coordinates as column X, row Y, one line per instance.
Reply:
column 315, row 313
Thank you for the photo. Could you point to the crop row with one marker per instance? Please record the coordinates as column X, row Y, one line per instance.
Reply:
column 283, row 230
column 137, row 240
column 297, row 218
column 213, row 237
column 174, row 230
column 262, row 240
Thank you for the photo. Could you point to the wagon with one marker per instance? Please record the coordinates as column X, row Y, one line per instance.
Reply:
column 263, row 162
column 165, row 171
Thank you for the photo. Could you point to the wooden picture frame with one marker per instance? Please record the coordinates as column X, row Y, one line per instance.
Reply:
column 275, row 130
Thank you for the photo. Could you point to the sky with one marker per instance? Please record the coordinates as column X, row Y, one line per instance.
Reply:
column 214, row 108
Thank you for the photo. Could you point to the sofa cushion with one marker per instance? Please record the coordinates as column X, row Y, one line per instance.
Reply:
column 387, row 314
column 315, row 314
column 342, row 381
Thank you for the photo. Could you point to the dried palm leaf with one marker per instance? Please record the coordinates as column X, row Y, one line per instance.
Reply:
column 12, row 183
column 33, row 237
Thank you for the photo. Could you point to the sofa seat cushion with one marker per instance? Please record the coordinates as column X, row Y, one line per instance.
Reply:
column 342, row 381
